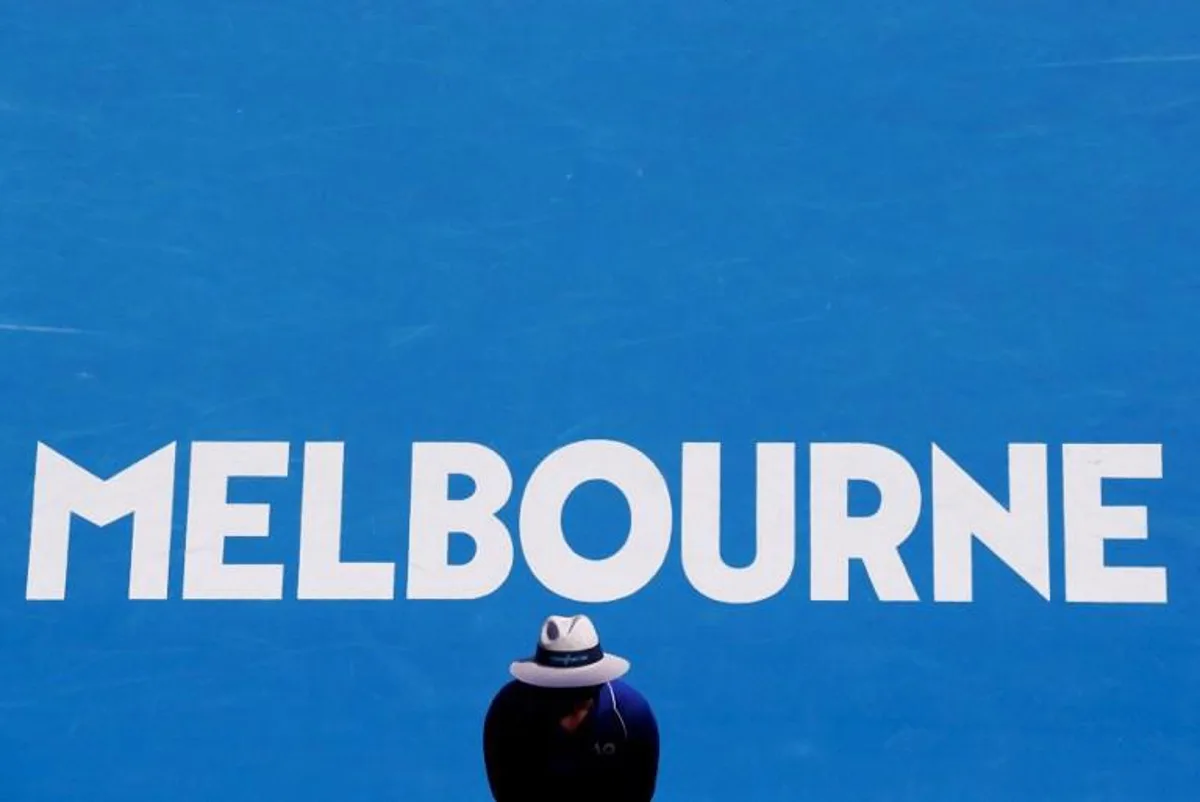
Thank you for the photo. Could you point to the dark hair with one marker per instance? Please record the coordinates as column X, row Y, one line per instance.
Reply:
column 565, row 699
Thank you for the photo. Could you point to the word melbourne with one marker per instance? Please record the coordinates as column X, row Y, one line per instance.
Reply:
column 962, row 514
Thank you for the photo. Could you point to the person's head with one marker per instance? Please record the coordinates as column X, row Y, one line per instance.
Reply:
column 568, row 667
column 569, row 656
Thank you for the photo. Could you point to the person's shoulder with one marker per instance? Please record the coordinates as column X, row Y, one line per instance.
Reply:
column 626, row 692
column 511, row 696
column 629, row 700
column 512, row 688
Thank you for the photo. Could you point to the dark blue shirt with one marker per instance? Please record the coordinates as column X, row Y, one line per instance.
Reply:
column 611, row 757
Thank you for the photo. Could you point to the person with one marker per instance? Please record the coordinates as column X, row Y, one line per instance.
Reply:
column 568, row 726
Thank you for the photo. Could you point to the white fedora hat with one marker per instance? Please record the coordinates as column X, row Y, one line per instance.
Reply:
column 569, row 655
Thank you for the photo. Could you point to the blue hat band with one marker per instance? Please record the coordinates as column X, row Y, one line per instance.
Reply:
column 576, row 659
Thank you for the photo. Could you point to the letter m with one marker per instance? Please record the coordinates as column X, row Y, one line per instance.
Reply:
column 62, row 489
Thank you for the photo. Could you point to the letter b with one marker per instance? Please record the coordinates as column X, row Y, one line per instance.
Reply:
column 434, row 516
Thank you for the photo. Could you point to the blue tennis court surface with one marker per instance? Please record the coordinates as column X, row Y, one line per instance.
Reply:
column 523, row 225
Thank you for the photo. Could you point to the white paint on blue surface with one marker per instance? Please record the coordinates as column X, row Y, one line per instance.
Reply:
column 969, row 224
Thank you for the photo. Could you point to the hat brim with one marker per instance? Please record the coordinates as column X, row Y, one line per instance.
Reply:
column 607, row 669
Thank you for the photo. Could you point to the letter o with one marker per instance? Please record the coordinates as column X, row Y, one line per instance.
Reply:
column 552, row 560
